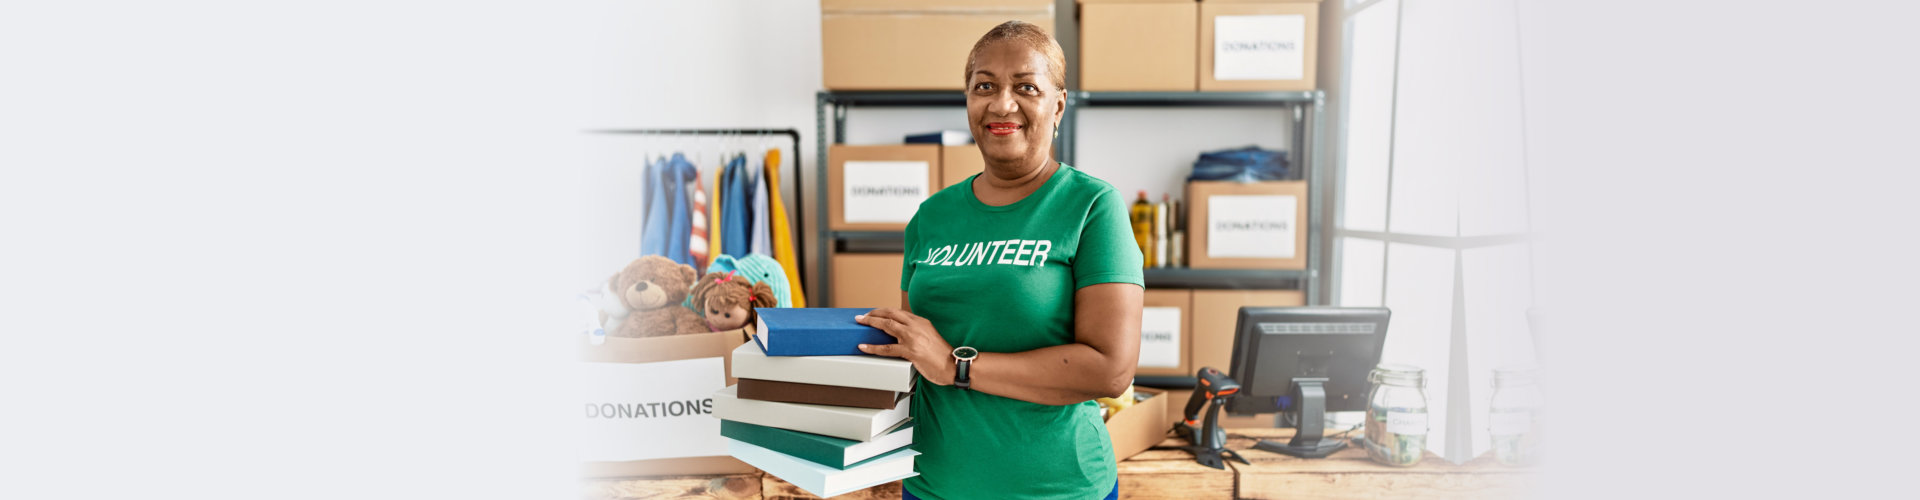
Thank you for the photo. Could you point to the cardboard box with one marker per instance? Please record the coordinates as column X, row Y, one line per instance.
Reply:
column 1140, row 426
column 1166, row 334
column 911, row 45
column 629, row 371
column 1216, row 311
column 878, row 188
column 1258, row 46
column 957, row 163
column 866, row 279
column 1247, row 225
column 1139, row 46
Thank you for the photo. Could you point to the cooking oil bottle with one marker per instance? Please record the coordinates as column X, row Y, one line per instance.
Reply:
column 1143, row 227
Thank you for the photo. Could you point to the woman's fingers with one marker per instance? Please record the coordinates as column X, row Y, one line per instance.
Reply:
column 892, row 350
column 881, row 322
column 889, row 313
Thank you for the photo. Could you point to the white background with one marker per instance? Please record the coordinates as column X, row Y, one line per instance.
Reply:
column 1259, row 64
column 658, row 435
column 1160, row 354
column 883, row 174
column 326, row 250
column 1281, row 210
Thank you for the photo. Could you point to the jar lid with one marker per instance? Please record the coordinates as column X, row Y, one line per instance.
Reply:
column 1398, row 374
column 1518, row 375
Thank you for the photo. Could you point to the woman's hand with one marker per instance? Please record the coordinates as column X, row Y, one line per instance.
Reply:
column 918, row 343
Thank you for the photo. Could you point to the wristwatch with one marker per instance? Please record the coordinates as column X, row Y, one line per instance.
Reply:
column 962, row 364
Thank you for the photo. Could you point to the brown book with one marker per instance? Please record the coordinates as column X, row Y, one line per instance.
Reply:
column 795, row 392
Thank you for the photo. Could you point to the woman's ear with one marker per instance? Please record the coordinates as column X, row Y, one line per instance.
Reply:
column 763, row 295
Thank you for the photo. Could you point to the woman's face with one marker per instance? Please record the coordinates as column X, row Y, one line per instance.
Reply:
column 1013, row 104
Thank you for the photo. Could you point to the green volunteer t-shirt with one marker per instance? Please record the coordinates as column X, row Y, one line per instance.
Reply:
column 1002, row 279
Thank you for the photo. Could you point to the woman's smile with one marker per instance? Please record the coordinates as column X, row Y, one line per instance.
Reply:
column 1003, row 128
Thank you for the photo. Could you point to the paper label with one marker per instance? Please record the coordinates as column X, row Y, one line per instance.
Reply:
column 883, row 191
column 1402, row 422
column 1160, row 337
column 642, row 411
column 1507, row 423
column 1252, row 226
column 1259, row 47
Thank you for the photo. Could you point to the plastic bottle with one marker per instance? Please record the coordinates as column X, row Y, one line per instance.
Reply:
column 1143, row 227
column 1160, row 231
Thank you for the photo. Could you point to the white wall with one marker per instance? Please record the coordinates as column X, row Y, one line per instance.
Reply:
column 709, row 64
column 757, row 64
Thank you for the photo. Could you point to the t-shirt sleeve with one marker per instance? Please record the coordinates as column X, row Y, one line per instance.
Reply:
column 1107, row 253
column 906, row 261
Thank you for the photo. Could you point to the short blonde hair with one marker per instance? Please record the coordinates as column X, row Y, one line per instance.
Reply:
column 1035, row 38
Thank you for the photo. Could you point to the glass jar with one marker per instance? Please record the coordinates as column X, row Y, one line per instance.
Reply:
column 1396, row 426
column 1514, row 416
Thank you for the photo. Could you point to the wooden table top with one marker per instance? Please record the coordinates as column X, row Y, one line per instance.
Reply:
column 1172, row 474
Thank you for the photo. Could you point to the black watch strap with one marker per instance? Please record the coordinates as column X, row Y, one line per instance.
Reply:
column 960, row 375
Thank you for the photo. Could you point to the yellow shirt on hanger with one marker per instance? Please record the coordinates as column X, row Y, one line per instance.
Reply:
column 782, row 235
column 713, row 215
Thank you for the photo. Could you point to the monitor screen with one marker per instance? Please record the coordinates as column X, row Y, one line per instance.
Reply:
column 1274, row 345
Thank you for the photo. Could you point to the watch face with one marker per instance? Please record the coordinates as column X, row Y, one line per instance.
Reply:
column 965, row 353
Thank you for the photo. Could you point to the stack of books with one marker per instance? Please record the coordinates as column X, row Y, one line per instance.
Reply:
column 812, row 410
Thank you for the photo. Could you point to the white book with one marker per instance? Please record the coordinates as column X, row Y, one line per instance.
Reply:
column 823, row 481
column 865, row 372
column 845, row 422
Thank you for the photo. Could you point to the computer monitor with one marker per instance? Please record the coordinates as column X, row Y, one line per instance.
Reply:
column 1305, row 361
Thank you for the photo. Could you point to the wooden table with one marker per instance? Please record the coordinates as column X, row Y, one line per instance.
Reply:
column 1171, row 474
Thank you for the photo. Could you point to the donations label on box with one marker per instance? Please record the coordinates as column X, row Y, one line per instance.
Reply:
column 1160, row 337
column 1260, row 47
column 884, row 191
column 1258, row 226
column 644, row 411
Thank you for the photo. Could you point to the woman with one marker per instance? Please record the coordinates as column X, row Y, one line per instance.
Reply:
column 1022, row 289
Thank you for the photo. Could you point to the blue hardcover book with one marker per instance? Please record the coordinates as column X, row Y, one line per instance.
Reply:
column 944, row 137
column 815, row 331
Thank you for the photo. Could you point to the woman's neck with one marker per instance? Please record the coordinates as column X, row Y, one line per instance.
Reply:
column 992, row 189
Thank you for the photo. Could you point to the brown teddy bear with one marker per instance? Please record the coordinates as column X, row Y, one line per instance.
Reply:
column 652, row 288
column 728, row 300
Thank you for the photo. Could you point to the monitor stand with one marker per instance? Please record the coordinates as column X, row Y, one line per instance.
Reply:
column 1308, row 441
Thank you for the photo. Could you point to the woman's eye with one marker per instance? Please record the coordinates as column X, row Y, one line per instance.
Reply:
column 1028, row 87
column 983, row 86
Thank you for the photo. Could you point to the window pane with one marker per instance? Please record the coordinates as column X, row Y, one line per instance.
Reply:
column 1420, row 293
column 1362, row 264
column 1458, row 157
column 1498, row 286
column 1369, row 121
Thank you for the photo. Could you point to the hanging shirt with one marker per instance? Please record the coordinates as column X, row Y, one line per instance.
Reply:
column 656, row 224
column 782, row 233
column 738, row 216
column 680, row 218
column 697, row 205
column 762, row 239
column 714, row 218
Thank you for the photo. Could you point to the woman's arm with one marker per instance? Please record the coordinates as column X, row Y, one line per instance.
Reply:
column 1100, row 362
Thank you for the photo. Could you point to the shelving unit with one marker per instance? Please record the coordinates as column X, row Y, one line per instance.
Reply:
column 1305, row 110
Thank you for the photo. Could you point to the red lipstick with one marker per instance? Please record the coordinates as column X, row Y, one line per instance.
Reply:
column 1003, row 128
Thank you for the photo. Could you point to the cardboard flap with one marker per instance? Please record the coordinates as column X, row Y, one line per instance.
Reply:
column 934, row 7
column 668, row 348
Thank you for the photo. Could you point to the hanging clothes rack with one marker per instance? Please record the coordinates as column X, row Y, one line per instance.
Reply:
column 734, row 134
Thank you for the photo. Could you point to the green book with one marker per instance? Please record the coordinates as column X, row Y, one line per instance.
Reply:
column 824, row 450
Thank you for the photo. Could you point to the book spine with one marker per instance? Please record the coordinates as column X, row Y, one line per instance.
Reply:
column 783, row 441
column 783, row 467
column 795, row 417
column 823, row 342
column 817, row 394
column 894, row 377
